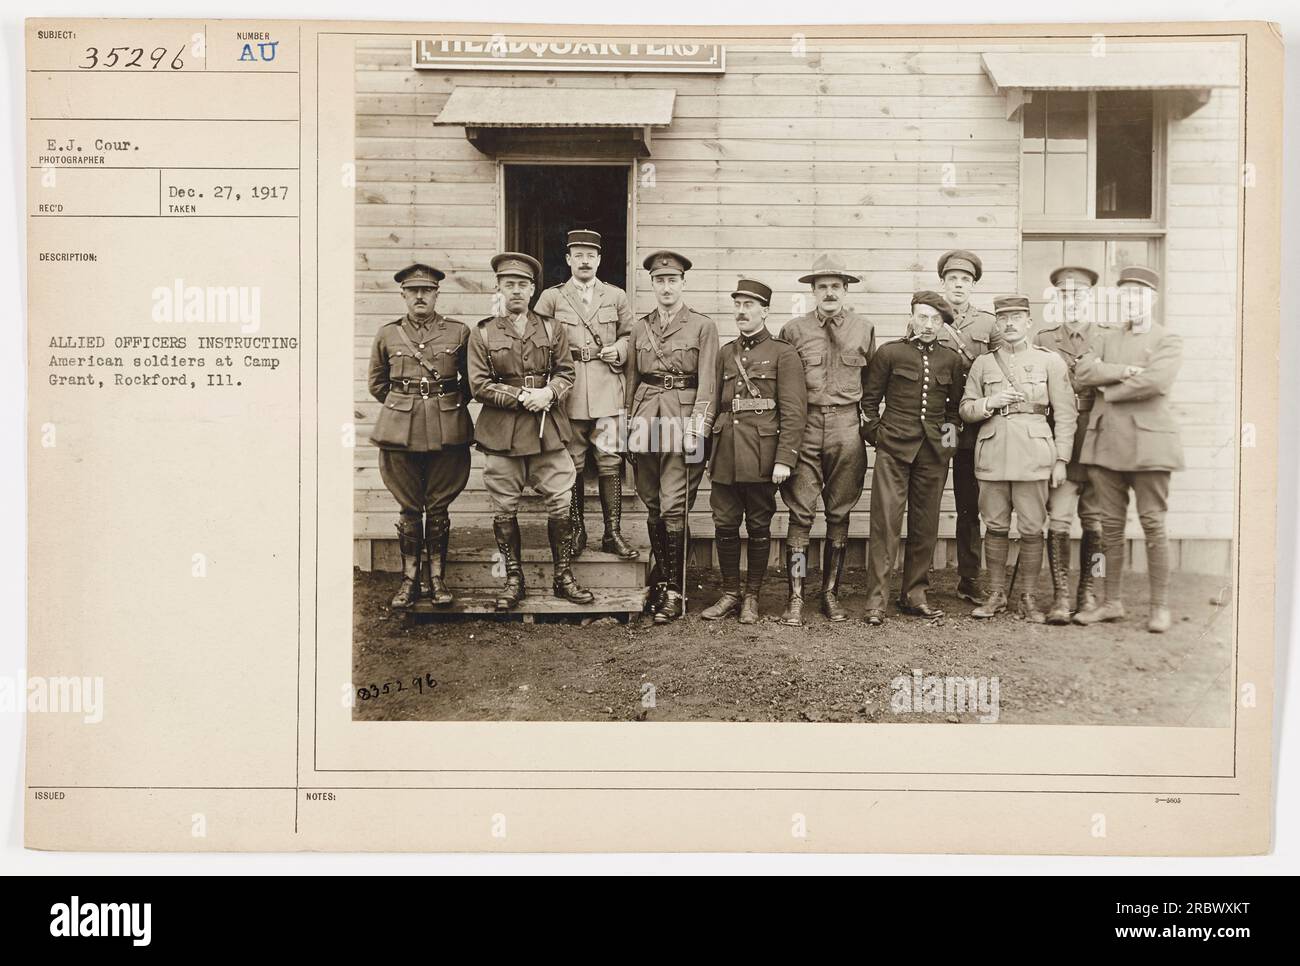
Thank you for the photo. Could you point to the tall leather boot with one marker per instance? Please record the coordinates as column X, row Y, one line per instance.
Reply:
column 832, row 573
column 996, row 548
column 658, row 583
column 611, row 509
column 577, row 521
column 1058, row 562
column 1089, row 547
column 728, row 542
column 1029, row 567
column 559, row 532
column 760, row 548
column 1112, row 608
column 796, row 568
column 409, row 539
column 672, row 605
column 437, row 531
column 1159, row 620
column 509, row 545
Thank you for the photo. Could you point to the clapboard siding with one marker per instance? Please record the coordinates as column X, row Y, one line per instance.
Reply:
column 887, row 156
column 1201, row 283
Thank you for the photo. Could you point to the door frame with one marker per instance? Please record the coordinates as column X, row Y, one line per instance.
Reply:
column 630, row 165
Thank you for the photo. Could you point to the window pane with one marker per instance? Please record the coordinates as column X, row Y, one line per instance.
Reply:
column 1035, row 122
column 1031, row 183
column 1066, row 179
column 1037, row 260
column 1067, row 122
column 1125, row 141
column 1122, row 253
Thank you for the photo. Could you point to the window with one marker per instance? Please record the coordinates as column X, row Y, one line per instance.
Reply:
column 1092, row 180
column 1090, row 156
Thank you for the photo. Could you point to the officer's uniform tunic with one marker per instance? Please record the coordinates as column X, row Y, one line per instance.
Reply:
column 1074, row 493
column 918, row 384
column 598, row 389
column 424, row 429
column 502, row 362
column 973, row 334
column 1133, row 440
column 678, row 389
column 1016, row 451
column 749, row 441
column 832, row 458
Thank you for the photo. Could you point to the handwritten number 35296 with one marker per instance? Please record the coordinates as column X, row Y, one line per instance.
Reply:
column 124, row 57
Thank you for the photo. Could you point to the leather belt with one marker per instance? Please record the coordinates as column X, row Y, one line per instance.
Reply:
column 426, row 387
column 671, row 380
column 739, row 405
column 830, row 407
column 586, row 354
column 1036, row 409
column 531, row 380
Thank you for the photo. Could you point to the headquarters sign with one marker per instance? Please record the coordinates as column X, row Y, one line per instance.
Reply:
column 499, row 52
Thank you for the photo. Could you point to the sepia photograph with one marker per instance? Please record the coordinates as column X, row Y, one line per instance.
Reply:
column 779, row 379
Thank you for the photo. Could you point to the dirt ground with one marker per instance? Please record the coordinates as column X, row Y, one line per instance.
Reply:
column 697, row 670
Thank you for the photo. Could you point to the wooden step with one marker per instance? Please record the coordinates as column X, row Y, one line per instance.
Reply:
column 593, row 570
column 621, row 603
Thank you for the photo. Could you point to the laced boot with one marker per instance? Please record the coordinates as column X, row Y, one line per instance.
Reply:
column 408, row 542
column 509, row 545
column 611, row 509
column 832, row 572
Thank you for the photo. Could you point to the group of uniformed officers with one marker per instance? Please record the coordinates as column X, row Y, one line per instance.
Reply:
column 1044, row 424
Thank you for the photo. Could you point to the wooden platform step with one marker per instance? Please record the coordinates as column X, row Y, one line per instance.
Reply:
column 593, row 570
column 620, row 603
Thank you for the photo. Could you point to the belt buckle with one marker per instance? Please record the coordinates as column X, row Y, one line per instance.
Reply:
column 1004, row 411
column 670, row 381
column 424, row 387
column 530, row 382
column 585, row 353
column 735, row 404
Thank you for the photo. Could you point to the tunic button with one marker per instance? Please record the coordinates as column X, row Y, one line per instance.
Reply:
column 421, row 345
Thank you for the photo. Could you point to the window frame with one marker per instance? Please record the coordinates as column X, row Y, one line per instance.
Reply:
column 1090, row 224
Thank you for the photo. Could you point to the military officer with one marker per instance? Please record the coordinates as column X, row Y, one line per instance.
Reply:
column 971, row 334
column 519, row 369
column 597, row 320
column 835, row 344
column 916, row 378
column 671, row 394
column 418, row 374
column 1019, row 455
column 1132, row 441
column 1071, row 332
column 761, row 407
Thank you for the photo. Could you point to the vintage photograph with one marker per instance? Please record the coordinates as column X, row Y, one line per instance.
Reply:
column 796, row 380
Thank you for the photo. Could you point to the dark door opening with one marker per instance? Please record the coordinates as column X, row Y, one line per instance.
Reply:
column 544, row 201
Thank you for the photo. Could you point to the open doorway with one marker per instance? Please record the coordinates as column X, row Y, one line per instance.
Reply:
column 544, row 201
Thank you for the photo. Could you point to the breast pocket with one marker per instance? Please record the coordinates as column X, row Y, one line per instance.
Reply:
column 684, row 355
column 403, row 365
column 814, row 368
column 1036, row 384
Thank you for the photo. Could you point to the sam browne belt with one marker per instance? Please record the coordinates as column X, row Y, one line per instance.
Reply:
column 671, row 380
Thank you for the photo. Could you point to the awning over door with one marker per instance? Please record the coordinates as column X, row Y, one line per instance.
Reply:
column 531, row 120
column 1190, row 73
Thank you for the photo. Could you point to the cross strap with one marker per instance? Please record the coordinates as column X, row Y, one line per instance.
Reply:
column 600, row 344
column 414, row 351
column 961, row 343
column 654, row 344
column 744, row 374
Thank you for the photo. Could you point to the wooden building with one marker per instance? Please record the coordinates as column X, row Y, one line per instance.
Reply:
column 752, row 157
